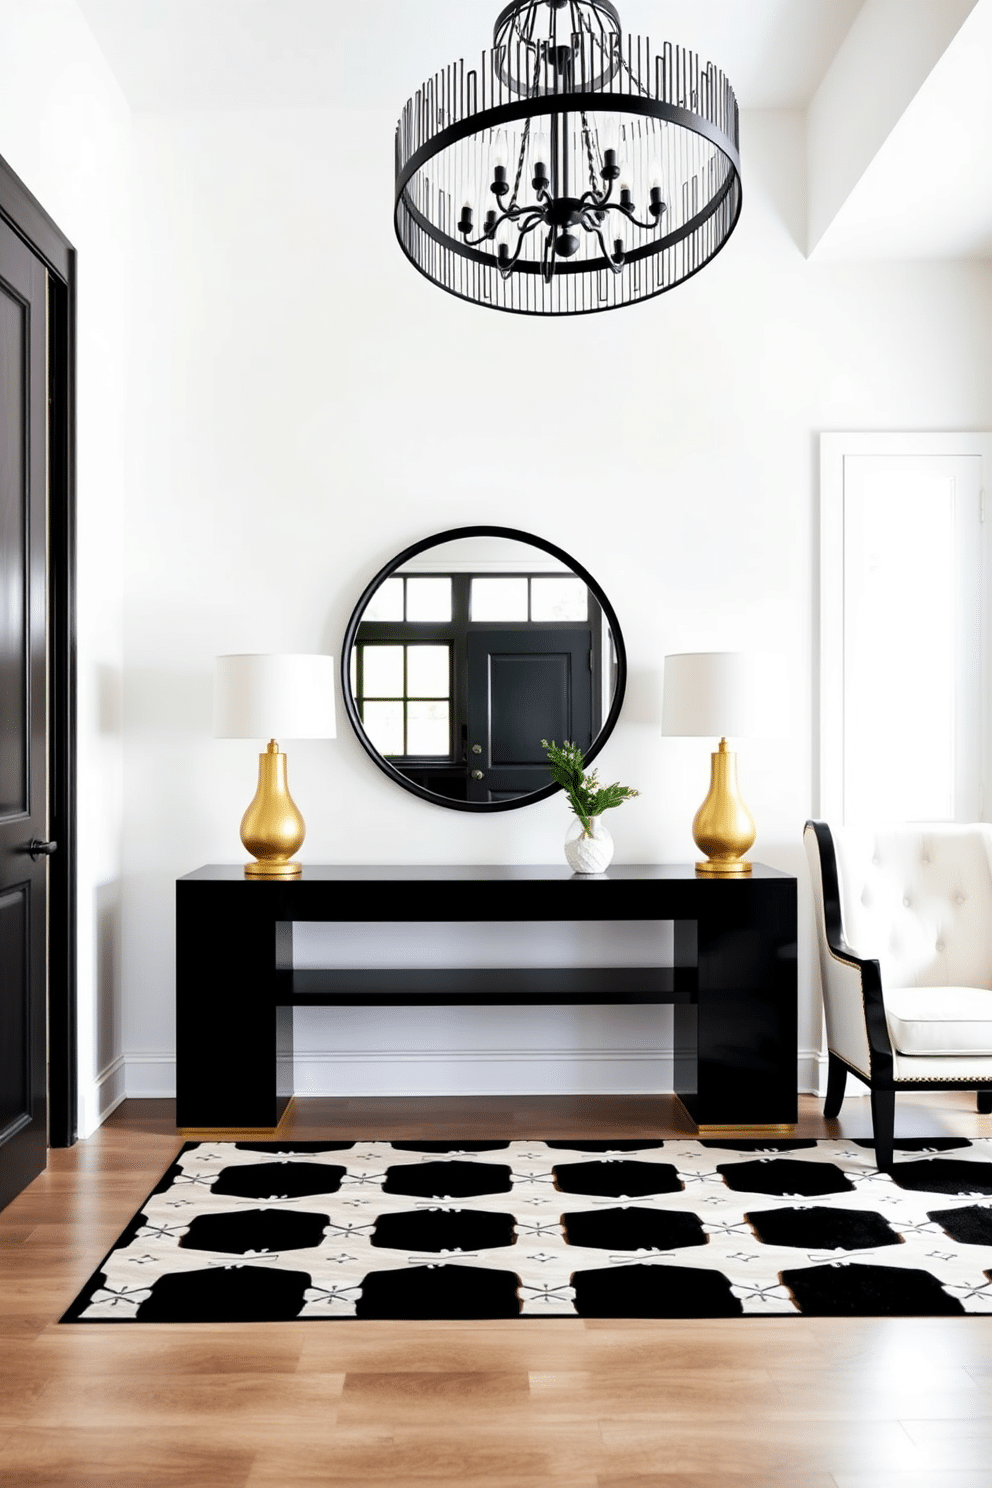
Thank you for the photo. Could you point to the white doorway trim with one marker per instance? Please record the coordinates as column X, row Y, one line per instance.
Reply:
column 835, row 448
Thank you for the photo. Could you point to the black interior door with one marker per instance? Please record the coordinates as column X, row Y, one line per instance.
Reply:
column 524, row 686
column 23, row 715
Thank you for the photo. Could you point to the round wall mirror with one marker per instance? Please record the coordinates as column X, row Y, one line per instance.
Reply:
column 466, row 651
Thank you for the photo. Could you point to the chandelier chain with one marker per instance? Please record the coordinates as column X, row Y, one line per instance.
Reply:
column 593, row 181
column 524, row 140
column 520, row 163
column 637, row 85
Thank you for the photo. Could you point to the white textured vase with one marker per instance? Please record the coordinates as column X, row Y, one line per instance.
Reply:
column 589, row 854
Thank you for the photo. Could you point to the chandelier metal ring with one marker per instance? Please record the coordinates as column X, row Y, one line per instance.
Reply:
column 550, row 105
column 528, row 186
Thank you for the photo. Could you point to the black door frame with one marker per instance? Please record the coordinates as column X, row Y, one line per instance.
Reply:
column 29, row 220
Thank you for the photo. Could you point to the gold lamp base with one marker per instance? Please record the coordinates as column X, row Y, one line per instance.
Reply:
column 272, row 828
column 273, row 870
column 723, row 828
column 719, row 867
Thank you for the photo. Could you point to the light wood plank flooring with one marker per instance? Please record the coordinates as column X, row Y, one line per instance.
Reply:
column 780, row 1403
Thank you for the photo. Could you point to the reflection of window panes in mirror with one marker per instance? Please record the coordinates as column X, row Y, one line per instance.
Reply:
column 428, row 729
column 428, row 599
column 383, row 722
column 387, row 602
column 428, row 672
column 382, row 671
column 498, row 599
column 559, row 599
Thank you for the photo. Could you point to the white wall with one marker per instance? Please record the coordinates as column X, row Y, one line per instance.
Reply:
column 307, row 405
column 65, row 130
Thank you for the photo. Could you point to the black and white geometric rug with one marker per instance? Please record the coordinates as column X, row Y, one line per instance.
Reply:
column 269, row 1231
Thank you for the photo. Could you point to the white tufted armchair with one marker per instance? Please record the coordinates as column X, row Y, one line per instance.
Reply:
column 904, row 921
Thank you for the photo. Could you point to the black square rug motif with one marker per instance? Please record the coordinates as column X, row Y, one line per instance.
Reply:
column 276, row 1231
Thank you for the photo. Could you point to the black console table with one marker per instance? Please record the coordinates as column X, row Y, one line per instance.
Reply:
column 733, row 983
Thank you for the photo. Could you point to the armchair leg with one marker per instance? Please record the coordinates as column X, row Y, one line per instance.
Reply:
column 836, row 1086
column 985, row 1102
column 883, row 1120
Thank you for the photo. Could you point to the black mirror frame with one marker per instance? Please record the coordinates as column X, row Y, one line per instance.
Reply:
column 452, row 535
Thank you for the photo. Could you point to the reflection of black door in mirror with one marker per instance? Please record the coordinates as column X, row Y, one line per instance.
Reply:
column 469, row 648
column 524, row 686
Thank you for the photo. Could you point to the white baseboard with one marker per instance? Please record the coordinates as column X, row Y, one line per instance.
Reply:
column 812, row 1072
column 151, row 1077
column 98, row 1097
column 483, row 1072
column 464, row 1072
column 813, row 1076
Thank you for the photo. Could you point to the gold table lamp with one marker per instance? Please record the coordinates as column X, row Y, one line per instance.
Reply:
column 721, row 693
column 262, row 697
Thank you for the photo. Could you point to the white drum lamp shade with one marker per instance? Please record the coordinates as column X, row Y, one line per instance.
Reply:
column 716, row 694
column 269, row 697
column 272, row 697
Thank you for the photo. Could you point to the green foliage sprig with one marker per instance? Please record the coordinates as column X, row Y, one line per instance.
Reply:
column 586, row 796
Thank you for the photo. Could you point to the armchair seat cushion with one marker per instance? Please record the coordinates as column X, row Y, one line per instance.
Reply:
column 945, row 1021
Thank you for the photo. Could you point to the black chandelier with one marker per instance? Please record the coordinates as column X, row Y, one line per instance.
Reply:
column 573, row 171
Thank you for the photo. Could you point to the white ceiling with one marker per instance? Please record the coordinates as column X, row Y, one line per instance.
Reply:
column 209, row 54
column 926, row 193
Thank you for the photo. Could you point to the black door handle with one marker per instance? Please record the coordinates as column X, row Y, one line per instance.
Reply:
column 39, row 849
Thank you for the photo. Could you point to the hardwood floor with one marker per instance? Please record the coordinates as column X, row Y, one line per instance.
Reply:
column 775, row 1402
